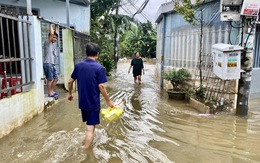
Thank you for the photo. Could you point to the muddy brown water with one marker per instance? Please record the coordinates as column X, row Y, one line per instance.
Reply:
column 152, row 129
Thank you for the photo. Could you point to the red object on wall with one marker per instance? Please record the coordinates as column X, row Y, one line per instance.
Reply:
column 1, row 69
column 12, row 82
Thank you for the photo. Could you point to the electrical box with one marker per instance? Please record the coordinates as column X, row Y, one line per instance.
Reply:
column 230, row 10
column 227, row 61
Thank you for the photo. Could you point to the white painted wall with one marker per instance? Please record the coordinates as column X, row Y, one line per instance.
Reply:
column 255, row 82
column 36, row 54
column 18, row 109
column 56, row 10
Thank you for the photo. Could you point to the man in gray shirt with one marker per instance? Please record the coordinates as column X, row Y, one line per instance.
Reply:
column 49, row 59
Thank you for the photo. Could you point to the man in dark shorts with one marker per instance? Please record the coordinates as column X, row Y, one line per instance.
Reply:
column 49, row 59
column 90, row 77
column 138, row 67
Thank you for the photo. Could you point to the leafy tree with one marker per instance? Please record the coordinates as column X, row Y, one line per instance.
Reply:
column 149, row 40
column 189, row 11
column 133, row 36
column 142, row 38
column 104, row 23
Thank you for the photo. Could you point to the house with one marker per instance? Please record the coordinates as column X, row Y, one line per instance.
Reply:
column 178, row 41
column 23, row 29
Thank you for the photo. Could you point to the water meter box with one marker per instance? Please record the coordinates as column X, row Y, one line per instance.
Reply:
column 227, row 61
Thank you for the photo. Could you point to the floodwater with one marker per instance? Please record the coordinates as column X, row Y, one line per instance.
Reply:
column 152, row 129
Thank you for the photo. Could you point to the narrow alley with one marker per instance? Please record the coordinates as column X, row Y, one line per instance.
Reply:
column 152, row 128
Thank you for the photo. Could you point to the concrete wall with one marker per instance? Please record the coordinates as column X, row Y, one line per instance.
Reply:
column 20, row 108
column 56, row 10
column 255, row 83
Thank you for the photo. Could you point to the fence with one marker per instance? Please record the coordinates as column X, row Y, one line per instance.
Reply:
column 80, row 41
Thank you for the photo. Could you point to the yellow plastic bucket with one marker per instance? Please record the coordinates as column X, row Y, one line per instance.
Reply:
column 111, row 114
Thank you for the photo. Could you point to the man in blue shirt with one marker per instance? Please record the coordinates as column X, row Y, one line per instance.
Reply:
column 90, row 77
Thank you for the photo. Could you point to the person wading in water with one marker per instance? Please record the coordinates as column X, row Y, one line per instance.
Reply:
column 138, row 67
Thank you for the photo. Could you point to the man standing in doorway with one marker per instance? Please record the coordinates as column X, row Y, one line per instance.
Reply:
column 49, row 59
column 90, row 77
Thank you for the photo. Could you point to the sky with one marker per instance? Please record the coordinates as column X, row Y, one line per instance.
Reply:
column 130, row 7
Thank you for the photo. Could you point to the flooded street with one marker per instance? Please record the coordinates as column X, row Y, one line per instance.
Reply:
column 152, row 129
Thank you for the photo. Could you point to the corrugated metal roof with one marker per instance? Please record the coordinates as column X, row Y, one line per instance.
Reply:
column 169, row 7
column 79, row 2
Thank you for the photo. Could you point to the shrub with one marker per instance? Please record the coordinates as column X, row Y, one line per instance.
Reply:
column 176, row 77
column 108, row 63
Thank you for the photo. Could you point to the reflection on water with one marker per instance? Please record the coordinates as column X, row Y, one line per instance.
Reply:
column 152, row 128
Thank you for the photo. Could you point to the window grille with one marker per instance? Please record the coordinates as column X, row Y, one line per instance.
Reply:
column 15, row 56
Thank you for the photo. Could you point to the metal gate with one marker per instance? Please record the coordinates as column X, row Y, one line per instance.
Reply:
column 80, row 41
column 15, row 55
column 45, row 32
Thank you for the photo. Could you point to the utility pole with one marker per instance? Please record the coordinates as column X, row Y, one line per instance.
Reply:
column 29, row 7
column 68, row 12
column 163, row 50
column 246, row 66
column 116, row 38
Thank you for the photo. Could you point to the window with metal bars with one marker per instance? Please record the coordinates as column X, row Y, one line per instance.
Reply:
column 15, row 57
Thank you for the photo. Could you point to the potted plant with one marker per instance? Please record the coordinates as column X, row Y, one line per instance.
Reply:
column 177, row 79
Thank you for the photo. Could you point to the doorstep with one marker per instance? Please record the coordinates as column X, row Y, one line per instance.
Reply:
column 49, row 101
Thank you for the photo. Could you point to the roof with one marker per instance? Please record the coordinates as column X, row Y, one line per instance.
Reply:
column 227, row 47
column 79, row 2
column 168, row 8
column 164, row 8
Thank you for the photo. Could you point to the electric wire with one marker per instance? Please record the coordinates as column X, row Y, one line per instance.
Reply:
column 252, row 26
column 133, row 5
column 141, row 8
column 127, row 11
column 130, row 5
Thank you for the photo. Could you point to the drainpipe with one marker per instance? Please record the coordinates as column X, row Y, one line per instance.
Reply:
column 29, row 7
column 68, row 12
column 163, row 51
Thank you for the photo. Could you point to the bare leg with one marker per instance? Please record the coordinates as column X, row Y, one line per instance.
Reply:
column 54, row 82
column 49, row 85
column 89, row 136
column 135, row 78
column 139, row 79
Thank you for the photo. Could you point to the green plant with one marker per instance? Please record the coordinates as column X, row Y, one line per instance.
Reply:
column 176, row 77
column 200, row 92
column 108, row 63
column 197, row 92
column 187, row 9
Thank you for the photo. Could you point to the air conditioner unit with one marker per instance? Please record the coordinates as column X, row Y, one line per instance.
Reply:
column 230, row 10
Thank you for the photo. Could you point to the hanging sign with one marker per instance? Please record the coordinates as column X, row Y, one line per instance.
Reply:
column 250, row 7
